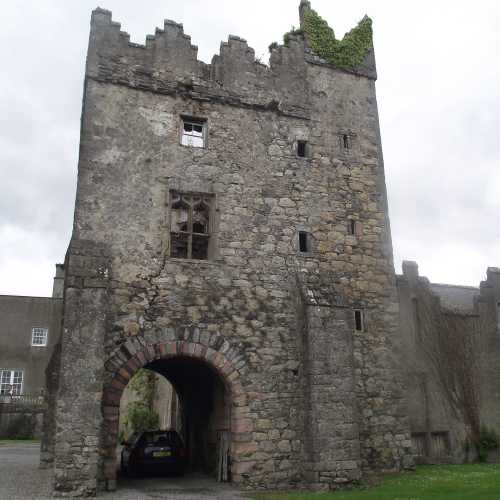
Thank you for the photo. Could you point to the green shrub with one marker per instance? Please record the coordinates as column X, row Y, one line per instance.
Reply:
column 293, row 31
column 488, row 441
column 273, row 46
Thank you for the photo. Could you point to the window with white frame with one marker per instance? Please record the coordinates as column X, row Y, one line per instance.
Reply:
column 11, row 382
column 193, row 132
column 39, row 336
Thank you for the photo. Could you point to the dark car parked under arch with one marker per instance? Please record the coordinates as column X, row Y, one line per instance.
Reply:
column 153, row 452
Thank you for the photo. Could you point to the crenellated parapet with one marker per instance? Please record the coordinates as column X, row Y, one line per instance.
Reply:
column 168, row 63
column 168, row 51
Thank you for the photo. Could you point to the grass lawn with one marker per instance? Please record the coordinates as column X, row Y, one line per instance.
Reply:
column 17, row 441
column 429, row 482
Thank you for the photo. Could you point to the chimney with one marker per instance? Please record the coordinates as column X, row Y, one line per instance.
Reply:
column 57, row 290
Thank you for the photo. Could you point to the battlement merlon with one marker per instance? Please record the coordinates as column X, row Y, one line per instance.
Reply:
column 168, row 58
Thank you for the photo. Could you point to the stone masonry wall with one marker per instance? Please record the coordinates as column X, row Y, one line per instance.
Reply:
column 247, row 293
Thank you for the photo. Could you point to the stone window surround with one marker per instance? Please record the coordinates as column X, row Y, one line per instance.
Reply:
column 188, row 194
column 11, row 381
column 39, row 336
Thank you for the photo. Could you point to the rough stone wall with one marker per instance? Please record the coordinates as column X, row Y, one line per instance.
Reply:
column 431, row 414
column 331, row 432
column 489, row 310
column 21, row 421
column 299, row 367
column 78, row 418
column 428, row 408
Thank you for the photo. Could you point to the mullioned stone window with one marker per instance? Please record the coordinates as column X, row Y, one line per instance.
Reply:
column 190, row 225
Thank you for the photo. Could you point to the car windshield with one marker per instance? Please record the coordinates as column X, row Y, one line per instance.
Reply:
column 162, row 438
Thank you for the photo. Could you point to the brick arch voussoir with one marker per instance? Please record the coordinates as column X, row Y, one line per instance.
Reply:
column 136, row 353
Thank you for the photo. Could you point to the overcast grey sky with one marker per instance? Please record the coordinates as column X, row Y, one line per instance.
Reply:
column 438, row 95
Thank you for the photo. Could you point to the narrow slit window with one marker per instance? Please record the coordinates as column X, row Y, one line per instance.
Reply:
column 416, row 318
column 351, row 227
column 190, row 225
column 498, row 316
column 359, row 320
column 302, row 149
column 193, row 132
column 304, row 242
column 346, row 141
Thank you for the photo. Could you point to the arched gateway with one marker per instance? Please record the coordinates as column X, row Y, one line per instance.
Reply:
column 136, row 354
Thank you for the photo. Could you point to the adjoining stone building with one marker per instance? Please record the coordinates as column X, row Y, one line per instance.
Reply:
column 231, row 233
column 451, row 353
column 29, row 332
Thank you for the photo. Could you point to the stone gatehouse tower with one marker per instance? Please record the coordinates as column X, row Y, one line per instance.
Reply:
column 231, row 233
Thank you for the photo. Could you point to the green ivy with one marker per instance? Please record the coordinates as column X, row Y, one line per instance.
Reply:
column 346, row 53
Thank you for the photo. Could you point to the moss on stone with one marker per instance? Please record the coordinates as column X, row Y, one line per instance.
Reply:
column 346, row 53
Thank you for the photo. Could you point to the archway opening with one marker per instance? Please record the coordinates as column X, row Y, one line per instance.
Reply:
column 191, row 398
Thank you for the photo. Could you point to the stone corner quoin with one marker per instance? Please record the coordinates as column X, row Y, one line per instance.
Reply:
column 232, row 216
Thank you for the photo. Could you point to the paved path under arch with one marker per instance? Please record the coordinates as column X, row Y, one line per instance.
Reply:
column 21, row 479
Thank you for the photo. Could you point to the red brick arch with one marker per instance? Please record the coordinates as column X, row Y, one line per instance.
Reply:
column 135, row 354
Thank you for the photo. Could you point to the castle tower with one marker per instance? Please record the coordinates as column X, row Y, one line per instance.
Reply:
column 231, row 233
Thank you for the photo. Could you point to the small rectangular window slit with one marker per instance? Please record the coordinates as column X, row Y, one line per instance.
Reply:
column 358, row 320
column 304, row 242
column 302, row 149
column 346, row 141
column 352, row 227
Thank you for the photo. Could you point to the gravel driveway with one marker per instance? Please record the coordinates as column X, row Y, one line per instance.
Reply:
column 21, row 479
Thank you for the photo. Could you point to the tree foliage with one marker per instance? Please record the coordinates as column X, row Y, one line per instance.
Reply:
column 141, row 415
